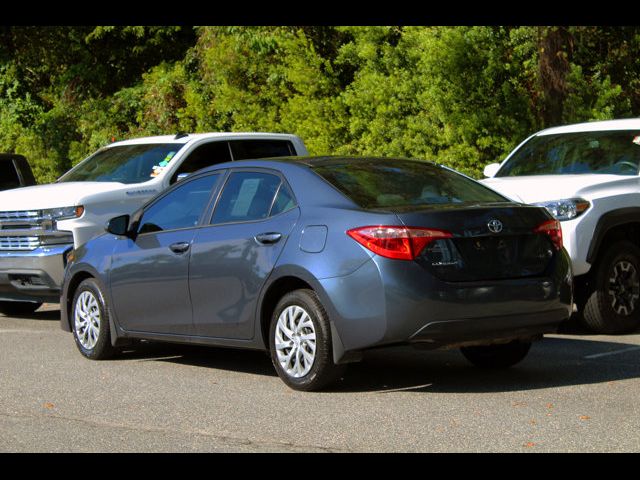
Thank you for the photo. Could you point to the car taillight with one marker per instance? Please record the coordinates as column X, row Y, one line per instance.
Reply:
column 553, row 229
column 402, row 243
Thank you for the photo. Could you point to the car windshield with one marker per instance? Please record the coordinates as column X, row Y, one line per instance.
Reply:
column 124, row 164
column 612, row 152
column 401, row 183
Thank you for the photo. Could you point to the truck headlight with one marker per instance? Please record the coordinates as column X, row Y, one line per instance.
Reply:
column 566, row 209
column 63, row 213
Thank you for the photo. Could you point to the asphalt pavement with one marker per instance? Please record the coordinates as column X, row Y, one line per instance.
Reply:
column 575, row 392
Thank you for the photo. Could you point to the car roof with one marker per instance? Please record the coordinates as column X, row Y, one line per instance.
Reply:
column 311, row 161
column 599, row 126
column 181, row 139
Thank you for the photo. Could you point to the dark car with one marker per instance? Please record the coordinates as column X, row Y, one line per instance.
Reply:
column 15, row 172
column 319, row 259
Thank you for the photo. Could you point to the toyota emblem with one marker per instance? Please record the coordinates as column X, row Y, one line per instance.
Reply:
column 495, row 226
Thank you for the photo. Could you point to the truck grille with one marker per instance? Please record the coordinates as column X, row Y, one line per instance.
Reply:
column 28, row 216
column 18, row 230
column 19, row 243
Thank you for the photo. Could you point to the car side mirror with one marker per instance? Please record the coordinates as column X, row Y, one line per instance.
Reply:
column 491, row 170
column 119, row 225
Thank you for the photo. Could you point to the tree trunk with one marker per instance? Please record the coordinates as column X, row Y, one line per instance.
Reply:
column 555, row 47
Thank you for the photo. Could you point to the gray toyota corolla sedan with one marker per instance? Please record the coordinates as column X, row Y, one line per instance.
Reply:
column 319, row 259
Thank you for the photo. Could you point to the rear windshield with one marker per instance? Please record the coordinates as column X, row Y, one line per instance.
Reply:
column 403, row 183
column 616, row 152
column 8, row 175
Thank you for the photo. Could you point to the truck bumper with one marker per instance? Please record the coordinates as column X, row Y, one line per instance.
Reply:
column 33, row 276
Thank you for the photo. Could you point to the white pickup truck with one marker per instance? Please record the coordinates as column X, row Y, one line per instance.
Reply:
column 40, row 225
column 587, row 176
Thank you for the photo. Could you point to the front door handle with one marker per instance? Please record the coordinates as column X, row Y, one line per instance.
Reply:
column 268, row 238
column 180, row 247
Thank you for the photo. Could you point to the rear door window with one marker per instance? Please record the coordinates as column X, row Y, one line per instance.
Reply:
column 247, row 196
column 248, row 149
column 203, row 156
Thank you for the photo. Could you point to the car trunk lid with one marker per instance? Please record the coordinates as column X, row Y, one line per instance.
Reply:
column 487, row 242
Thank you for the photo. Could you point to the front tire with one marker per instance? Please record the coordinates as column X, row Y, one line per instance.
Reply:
column 613, row 307
column 300, row 342
column 498, row 356
column 90, row 321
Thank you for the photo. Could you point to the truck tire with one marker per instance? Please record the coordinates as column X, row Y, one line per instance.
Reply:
column 613, row 307
column 11, row 309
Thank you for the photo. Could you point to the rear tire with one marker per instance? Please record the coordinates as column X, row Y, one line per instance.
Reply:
column 497, row 356
column 11, row 309
column 90, row 321
column 613, row 307
column 300, row 342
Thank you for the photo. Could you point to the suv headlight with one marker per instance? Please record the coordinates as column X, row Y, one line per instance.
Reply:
column 63, row 213
column 567, row 209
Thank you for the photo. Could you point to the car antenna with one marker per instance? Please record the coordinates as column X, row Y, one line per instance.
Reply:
column 180, row 135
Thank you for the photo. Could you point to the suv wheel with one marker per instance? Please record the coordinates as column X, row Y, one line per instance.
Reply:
column 613, row 307
column 90, row 321
column 11, row 309
column 497, row 356
column 300, row 342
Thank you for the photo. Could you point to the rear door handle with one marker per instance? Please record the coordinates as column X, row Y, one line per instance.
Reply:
column 179, row 247
column 268, row 238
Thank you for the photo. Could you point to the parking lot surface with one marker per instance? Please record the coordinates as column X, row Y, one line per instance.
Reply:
column 575, row 392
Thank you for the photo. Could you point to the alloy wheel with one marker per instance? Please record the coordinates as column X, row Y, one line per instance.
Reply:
column 624, row 288
column 295, row 341
column 87, row 320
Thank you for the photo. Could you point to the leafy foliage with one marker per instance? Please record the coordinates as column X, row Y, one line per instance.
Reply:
column 462, row 96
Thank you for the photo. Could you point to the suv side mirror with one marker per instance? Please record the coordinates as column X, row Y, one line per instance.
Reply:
column 491, row 169
column 119, row 225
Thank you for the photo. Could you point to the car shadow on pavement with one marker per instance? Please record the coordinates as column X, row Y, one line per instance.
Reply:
column 573, row 357
column 41, row 315
column 552, row 362
column 555, row 361
column 245, row 361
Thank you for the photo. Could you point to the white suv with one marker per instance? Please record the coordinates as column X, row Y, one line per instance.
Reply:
column 40, row 225
column 587, row 176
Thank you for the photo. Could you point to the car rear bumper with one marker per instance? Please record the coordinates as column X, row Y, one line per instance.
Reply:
column 33, row 276
column 388, row 302
column 461, row 332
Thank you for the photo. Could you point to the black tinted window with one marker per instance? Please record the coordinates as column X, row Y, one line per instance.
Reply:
column 402, row 183
column 245, row 149
column 204, row 156
column 182, row 208
column 246, row 196
column 615, row 152
column 8, row 175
